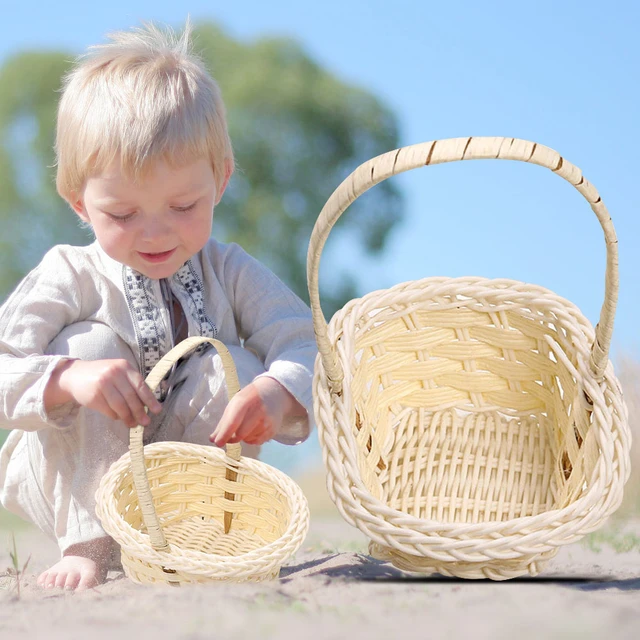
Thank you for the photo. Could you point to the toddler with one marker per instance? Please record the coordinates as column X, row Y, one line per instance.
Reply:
column 143, row 157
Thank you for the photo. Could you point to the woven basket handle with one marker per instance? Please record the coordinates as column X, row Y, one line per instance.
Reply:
column 136, row 448
column 437, row 152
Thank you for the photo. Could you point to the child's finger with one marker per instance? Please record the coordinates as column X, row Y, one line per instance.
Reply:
column 134, row 403
column 258, row 437
column 118, row 405
column 231, row 420
column 106, row 410
column 261, row 436
column 144, row 392
column 251, row 426
column 102, row 404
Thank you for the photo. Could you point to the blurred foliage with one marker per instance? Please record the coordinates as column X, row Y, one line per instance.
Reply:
column 297, row 131
column 32, row 215
column 628, row 373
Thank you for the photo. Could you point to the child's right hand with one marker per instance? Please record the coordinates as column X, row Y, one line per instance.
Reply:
column 112, row 387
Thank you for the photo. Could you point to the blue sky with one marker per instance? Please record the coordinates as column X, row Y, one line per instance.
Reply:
column 563, row 74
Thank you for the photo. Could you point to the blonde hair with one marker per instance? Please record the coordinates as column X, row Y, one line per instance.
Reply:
column 143, row 96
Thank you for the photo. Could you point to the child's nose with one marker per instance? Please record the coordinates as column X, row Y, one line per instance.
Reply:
column 156, row 228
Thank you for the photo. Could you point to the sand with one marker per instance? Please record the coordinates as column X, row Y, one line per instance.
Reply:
column 332, row 589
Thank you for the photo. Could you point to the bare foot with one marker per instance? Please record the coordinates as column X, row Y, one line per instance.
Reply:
column 83, row 566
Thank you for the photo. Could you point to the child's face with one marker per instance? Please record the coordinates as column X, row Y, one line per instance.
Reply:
column 157, row 224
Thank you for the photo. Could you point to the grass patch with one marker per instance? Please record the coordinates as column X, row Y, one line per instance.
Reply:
column 619, row 541
column 11, row 522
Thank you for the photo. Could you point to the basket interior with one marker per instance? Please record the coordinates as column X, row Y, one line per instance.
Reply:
column 189, row 498
column 462, row 412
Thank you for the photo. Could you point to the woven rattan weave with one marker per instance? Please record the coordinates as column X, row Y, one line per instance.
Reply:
column 469, row 427
column 186, row 513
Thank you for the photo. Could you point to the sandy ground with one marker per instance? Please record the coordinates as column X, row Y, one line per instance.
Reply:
column 331, row 589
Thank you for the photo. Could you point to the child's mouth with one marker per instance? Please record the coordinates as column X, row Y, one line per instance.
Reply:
column 156, row 257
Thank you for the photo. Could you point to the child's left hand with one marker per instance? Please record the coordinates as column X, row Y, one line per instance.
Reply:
column 256, row 413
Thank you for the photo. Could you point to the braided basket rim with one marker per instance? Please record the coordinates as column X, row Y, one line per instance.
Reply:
column 434, row 283
column 396, row 522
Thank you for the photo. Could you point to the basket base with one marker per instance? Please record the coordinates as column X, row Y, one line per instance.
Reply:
column 194, row 534
column 530, row 565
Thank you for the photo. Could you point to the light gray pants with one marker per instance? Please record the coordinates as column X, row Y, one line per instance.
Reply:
column 53, row 474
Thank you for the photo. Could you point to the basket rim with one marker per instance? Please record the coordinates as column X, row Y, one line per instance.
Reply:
column 106, row 507
column 460, row 528
column 543, row 532
column 568, row 317
column 430, row 285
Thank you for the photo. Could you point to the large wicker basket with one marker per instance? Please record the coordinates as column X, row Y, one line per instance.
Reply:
column 185, row 513
column 469, row 427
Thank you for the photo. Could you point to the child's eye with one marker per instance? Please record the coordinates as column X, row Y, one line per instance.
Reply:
column 120, row 218
column 187, row 208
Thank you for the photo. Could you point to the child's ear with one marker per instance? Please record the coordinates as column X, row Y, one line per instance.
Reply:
column 228, row 170
column 77, row 204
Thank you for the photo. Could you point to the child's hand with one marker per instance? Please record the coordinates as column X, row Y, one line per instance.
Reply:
column 256, row 413
column 112, row 387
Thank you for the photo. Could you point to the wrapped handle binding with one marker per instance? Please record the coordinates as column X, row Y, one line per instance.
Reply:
column 388, row 164
column 136, row 447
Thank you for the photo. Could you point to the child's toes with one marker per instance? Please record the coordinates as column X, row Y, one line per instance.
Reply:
column 61, row 578
column 72, row 581
column 50, row 581
column 87, row 581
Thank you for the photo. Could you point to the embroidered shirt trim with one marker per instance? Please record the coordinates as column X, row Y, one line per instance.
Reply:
column 151, row 334
column 187, row 278
column 153, row 337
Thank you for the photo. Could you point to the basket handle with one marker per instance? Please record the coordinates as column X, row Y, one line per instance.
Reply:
column 136, row 448
column 388, row 164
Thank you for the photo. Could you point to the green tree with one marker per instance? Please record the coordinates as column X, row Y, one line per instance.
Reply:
column 297, row 131
column 32, row 215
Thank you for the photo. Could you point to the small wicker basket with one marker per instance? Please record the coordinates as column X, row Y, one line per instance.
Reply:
column 469, row 427
column 185, row 513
